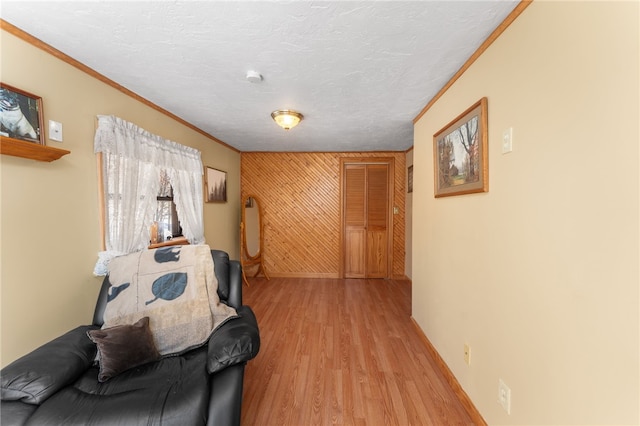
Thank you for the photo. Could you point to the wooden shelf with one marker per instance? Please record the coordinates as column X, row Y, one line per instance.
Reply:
column 31, row 150
column 177, row 241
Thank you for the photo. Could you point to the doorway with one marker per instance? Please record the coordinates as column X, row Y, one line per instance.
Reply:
column 366, row 232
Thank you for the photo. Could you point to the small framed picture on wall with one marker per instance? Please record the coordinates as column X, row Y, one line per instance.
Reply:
column 460, row 157
column 215, row 186
column 21, row 115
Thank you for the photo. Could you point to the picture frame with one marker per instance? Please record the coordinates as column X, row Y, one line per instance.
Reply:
column 460, row 153
column 410, row 179
column 21, row 116
column 215, row 185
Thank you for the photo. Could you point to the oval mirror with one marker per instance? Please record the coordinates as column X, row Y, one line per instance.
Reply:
column 252, row 227
column 251, row 237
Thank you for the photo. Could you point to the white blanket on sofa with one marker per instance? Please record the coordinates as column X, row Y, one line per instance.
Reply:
column 176, row 287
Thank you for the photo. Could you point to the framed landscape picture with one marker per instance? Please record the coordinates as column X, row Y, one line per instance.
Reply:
column 460, row 154
column 215, row 186
column 21, row 115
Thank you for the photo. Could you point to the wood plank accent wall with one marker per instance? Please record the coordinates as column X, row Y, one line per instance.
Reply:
column 300, row 196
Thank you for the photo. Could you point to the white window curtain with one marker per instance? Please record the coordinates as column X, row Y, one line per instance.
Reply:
column 132, row 160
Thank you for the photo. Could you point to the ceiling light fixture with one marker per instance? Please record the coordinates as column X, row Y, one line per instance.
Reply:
column 286, row 118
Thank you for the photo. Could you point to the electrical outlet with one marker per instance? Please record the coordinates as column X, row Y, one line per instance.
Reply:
column 467, row 354
column 504, row 396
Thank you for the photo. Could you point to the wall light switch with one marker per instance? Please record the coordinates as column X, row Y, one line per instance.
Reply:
column 55, row 131
column 507, row 140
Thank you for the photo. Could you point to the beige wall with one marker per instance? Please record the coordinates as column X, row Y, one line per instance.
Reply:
column 49, row 226
column 540, row 275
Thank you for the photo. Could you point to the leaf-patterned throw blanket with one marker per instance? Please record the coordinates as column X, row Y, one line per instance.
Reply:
column 176, row 287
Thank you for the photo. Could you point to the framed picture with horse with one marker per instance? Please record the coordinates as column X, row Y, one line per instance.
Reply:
column 20, row 115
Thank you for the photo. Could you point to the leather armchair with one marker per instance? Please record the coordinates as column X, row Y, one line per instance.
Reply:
column 57, row 383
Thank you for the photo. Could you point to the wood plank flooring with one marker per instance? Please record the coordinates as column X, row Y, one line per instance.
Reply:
column 342, row 352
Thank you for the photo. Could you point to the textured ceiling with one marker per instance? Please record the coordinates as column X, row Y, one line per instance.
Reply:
column 359, row 71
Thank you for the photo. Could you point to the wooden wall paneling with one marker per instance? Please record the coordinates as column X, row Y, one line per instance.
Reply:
column 399, row 228
column 300, row 193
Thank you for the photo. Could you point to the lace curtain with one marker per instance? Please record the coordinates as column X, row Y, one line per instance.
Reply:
column 132, row 160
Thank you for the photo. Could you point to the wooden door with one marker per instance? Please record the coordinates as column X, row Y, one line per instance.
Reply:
column 366, row 220
column 355, row 222
column 377, row 220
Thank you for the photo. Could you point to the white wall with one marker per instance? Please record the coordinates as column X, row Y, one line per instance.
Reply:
column 540, row 275
column 50, row 236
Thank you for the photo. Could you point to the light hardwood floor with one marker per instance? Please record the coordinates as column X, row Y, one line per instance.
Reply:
column 342, row 352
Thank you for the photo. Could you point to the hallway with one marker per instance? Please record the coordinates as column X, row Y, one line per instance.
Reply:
column 342, row 352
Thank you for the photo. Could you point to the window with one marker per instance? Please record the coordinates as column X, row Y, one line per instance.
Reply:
column 166, row 218
column 134, row 166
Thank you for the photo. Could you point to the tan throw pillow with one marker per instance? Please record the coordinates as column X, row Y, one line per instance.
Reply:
column 123, row 347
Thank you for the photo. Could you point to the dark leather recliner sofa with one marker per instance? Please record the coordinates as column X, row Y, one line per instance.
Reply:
column 57, row 383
